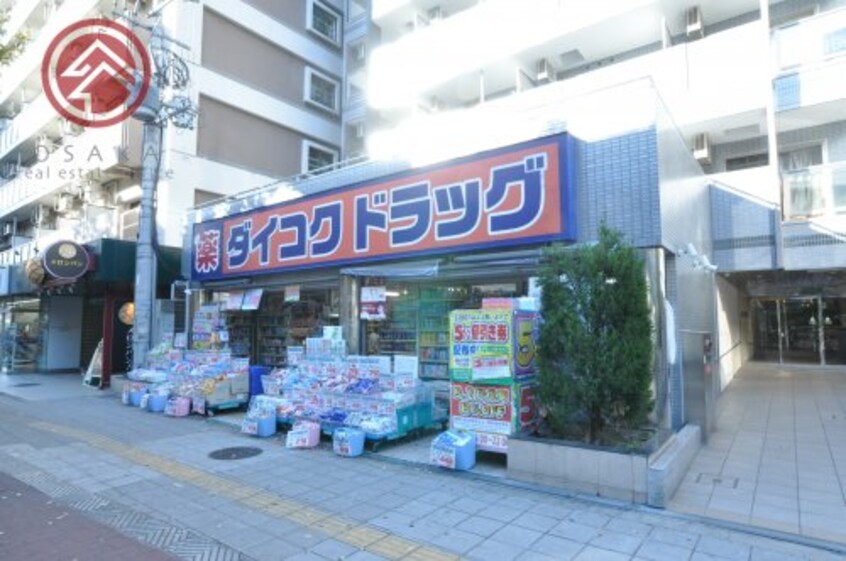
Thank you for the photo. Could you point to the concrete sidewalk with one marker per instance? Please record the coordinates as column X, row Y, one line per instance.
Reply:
column 151, row 477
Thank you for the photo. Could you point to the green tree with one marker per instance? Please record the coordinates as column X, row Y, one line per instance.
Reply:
column 595, row 350
column 10, row 47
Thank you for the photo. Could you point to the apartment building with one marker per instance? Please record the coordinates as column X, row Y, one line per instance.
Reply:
column 710, row 133
column 265, row 80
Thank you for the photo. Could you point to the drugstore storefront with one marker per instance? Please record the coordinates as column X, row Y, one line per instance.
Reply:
column 387, row 259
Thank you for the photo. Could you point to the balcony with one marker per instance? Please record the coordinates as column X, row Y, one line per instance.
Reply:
column 26, row 65
column 26, row 125
column 489, row 35
column 20, row 15
column 759, row 182
column 816, row 191
column 820, row 87
column 94, row 149
column 811, row 41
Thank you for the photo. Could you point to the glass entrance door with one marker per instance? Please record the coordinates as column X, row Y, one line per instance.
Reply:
column 801, row 331
column 791, row 330
column 834, row 329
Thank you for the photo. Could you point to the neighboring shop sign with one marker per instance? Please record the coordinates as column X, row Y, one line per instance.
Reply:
column 511, row 196
column 65, row 260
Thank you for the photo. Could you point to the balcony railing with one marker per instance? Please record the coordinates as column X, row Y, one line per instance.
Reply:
column 812, row 40
column 92, row 150
column 32, row 119
column 19, row 14
column 815, row 191
column 26, row 64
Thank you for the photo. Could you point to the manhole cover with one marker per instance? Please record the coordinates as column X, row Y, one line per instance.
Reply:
column 25, row 384
column 235, row 453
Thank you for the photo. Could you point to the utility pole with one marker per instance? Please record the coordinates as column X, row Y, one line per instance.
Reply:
column 145, row 259
column 171, row 75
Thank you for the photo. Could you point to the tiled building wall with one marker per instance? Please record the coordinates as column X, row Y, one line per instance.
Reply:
column 744, row 232
column 812, row 245
column 617, row 183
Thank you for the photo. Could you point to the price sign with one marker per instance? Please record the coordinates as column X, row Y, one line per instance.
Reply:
column 297, row 439
column 249, row 427
column 443, row 457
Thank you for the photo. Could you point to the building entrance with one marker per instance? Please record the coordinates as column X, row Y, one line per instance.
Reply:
column 805, row 330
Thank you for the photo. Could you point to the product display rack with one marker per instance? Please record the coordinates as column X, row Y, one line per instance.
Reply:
column 240, row 328
column 398, row 333
column 272, row 332
column 282, row 324
column 433, row 329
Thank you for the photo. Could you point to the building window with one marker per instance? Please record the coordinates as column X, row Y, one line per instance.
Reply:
column 317, row 158
column 324, row 21
column 745, row 162
column 321, row 90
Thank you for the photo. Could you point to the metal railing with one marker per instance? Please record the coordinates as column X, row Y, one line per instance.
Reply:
column 814, row 191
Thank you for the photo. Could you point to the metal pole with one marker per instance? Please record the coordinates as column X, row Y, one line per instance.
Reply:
column 145, row 282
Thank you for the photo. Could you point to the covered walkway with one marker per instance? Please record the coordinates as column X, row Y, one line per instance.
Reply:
column 777, row 458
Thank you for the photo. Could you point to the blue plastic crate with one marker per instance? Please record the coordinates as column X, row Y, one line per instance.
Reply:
column 135, row 397
column 156, row 403
column 266, row 426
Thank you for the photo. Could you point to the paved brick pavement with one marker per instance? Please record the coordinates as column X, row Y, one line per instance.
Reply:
column 150, row 477
column 33, row 527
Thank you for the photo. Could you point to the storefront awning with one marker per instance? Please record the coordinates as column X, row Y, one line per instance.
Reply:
column 116, row 262
column 416, row 269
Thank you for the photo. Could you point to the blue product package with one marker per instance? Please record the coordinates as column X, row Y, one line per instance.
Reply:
column 454, row 449
column 348, row 441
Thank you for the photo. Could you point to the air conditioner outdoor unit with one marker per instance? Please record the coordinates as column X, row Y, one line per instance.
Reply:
column 360, row 52
column 436, row 14
column 545, row 72
column 695, row 28
column 702, row 148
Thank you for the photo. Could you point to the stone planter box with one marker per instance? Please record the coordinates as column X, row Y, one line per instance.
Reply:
column 639, row 478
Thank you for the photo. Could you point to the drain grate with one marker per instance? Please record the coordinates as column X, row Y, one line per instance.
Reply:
column 25, row 384
column 235, row 453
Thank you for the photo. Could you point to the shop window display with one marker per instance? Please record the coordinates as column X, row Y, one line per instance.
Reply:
column 263, row 325
column 21, row 335
column 415, row 320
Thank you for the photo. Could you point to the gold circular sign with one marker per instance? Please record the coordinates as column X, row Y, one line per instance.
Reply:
column 126, row 314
